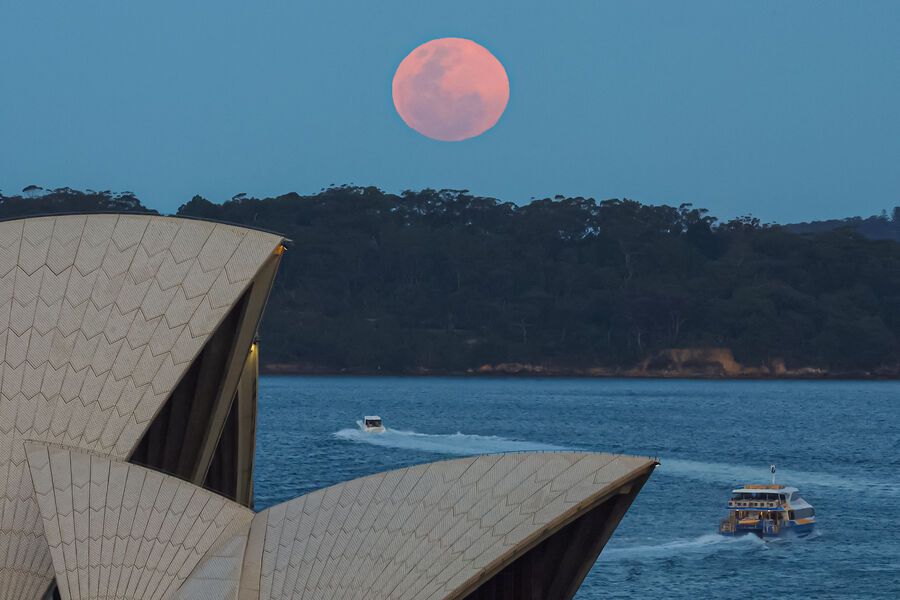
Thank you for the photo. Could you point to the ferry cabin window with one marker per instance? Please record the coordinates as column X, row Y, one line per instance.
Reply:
column 795, row 496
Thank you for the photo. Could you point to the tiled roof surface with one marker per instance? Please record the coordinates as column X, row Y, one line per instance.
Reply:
column 424, row 531
column 118, row 530
column 100, row 316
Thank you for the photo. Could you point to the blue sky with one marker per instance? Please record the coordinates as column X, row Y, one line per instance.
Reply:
column 788, row 111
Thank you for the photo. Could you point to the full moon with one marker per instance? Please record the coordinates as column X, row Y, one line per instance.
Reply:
column 450, row 89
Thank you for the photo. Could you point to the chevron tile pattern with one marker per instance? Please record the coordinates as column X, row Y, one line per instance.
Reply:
column 218, row 575
column 119, row 531
column 423, row 532
column 100, row 316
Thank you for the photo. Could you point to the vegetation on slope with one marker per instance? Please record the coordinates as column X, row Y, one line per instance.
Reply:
column 36, row 201
column 443, row 281
column 881, row 227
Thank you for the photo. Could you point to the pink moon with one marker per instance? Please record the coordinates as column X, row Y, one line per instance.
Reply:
column 450, row 89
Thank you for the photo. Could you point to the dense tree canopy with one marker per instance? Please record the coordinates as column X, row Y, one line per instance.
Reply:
column 448, row 281
column 880, row 227
column 444, row 281
column 35, row 201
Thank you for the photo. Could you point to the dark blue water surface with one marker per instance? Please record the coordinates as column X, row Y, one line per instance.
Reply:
column 839, row 442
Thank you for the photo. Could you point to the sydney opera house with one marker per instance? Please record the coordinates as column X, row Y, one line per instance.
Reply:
column 128, row 396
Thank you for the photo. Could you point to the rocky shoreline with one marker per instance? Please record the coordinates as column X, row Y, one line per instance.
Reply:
column 674, row 363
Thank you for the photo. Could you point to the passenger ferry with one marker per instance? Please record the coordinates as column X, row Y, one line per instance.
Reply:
column 768, row 511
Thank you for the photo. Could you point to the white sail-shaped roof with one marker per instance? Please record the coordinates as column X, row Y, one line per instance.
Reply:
column 100, row 317
column 428, row 531
column 128, row 338
column 118, row 530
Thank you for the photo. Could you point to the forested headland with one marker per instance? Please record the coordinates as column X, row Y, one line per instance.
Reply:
column 445, row 282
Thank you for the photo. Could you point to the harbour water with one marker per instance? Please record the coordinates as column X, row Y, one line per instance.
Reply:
column 839, row 442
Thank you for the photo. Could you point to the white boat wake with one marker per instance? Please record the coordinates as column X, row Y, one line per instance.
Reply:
column 729, row 474
column 456, row 443
column 740, row 474
column 701, row 546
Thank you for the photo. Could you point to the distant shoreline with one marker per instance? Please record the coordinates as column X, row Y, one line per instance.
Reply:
column 673, row 363
column 282, row 370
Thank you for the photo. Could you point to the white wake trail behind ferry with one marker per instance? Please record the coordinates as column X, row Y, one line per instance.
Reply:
column 738, row 475
column 700, row 546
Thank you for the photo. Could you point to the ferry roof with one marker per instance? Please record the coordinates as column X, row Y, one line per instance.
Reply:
column 765, row 489
column 372, row 418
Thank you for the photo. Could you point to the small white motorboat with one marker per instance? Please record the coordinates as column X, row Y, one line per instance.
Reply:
column 372, row 424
